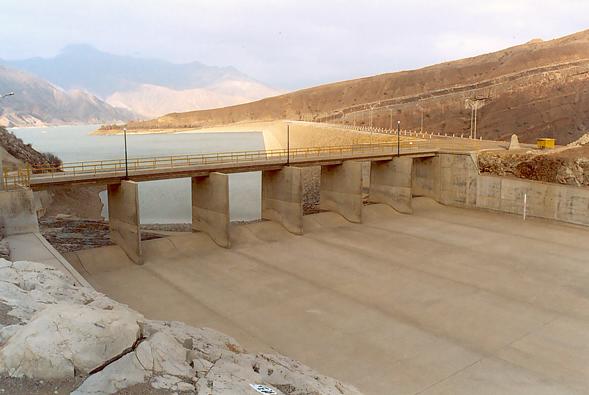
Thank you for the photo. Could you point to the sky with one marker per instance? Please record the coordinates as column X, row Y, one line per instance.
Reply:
column 288, row 44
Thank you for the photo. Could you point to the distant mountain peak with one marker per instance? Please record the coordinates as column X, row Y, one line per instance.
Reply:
column 82, row 66
column 38, row 102
column 144, row 85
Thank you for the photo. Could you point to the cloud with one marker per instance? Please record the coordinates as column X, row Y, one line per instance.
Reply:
column 289, row 44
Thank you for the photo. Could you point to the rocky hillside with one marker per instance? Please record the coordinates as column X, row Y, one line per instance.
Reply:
column 535, row 89
column 147, row 87
column 23, row 153
column 59, row 338
column 37, row 102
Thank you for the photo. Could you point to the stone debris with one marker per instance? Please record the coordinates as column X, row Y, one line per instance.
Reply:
column 581, row 141
column 64, row 332
column 564, row 167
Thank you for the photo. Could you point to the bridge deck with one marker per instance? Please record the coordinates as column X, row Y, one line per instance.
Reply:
column 157, row 168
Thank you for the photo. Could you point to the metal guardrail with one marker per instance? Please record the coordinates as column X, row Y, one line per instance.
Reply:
column 21, row 178
column 24, row 177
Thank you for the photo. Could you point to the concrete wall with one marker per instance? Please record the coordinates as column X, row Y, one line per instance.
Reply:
column 458, row 180
column 341, row 189
column 282, row 198
column 544, row 200
column 390, row 183
column 210, row 207
column 18, row 212
column 426, row 177
column 453, row 179
column 124, row 219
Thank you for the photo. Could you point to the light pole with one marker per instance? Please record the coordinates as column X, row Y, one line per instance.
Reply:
column 398, row 138
column 287, row 144
column 126, row 161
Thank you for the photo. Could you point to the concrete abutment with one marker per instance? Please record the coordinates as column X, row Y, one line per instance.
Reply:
column 282, row 197
column 18, row 212
column 210, row 207
column 124, row 218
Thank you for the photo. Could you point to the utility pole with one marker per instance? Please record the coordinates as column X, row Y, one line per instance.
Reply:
column 475, row 122
column 474, row 104
column 421, row 129
column 391, row 119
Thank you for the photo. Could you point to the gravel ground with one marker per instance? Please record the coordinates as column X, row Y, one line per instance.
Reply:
column 68, row 234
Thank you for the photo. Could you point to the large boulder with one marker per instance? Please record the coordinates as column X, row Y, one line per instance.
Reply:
column 64, row 339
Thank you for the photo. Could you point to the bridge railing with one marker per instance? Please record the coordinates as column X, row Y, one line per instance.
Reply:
column 21, row 178
column 137, row 165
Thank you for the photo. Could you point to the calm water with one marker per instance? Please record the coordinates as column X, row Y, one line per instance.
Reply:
column 73, row 143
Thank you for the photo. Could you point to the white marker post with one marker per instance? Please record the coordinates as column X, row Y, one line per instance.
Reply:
column 525, row 205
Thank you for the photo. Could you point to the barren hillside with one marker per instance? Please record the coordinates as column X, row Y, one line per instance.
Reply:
column 535, row 89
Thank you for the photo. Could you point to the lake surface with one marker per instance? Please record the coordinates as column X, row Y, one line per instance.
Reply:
column 166, row 201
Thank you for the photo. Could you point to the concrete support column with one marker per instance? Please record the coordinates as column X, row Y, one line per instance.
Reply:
column 17, row 212
column 210, row 207
column 123, row 218
column 341, row 189
column 390, row 183
column 282, row 198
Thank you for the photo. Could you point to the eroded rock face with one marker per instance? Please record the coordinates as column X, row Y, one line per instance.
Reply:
column 64, row 331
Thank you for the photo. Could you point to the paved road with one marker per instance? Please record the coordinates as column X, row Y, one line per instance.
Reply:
column 445, row 301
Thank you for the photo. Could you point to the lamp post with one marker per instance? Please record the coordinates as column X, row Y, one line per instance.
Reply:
column 287, row 144
column 126, row 161
column 398, row 138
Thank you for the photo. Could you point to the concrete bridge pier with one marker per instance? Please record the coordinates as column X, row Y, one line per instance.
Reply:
column 282, row 197
column 123, row 218
column 341, row 189
column 210, row 207
column 390, row 183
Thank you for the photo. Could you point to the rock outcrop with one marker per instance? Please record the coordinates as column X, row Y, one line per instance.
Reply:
column 52, row 330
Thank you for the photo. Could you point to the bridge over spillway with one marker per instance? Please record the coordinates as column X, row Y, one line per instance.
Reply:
column 282, row 183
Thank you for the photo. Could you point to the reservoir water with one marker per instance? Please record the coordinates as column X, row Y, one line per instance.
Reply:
column 167, row 201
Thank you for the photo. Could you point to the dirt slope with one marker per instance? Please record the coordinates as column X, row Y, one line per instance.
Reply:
column 535, row 89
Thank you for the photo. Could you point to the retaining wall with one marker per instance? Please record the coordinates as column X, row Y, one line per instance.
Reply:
column 18, row 212
column 453, row 179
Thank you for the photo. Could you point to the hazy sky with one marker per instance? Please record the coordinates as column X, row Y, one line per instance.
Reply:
column 287, row 43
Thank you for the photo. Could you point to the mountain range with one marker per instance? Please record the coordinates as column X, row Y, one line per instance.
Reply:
column 537, row 89
column 37, row 102
column 145, row 86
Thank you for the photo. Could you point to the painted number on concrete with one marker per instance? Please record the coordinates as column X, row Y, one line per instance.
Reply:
column 263, row 389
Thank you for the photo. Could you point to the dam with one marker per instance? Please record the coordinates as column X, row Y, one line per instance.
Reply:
column 418, row 276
